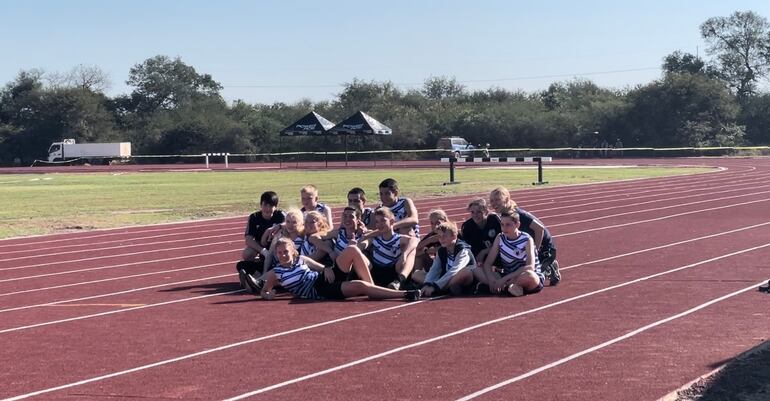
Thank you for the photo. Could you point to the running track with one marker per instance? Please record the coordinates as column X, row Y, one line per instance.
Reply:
column 659, row 287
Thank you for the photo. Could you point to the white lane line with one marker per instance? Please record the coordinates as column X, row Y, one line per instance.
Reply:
column 360, row 361
column 37, row 251
column 609, row 342
column 124, row 231
column 127, row 291
column 125, row 264
column 655, row 248
column 111, row 267
column 661, row 208
column 601, row 209
column 640, row 251
column 480, row 325
column 207, row 223
column 208, row 351
column 118, row 247
column 659, row 218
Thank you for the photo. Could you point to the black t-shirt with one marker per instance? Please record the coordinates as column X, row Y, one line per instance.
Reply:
column 258, row 224
column 480, row 238
column 526, row 218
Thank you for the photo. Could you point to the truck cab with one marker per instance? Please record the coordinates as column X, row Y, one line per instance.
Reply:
column 56, row 151
column 456, row 146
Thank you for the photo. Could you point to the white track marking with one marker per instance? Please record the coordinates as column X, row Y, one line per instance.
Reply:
column 609, row 216
column 63, row 301
column 609, row 342
column 659, row 218
column 116, row 266
column 208, row 351
column 125, row 264
column 363, row 360
column 480, row 325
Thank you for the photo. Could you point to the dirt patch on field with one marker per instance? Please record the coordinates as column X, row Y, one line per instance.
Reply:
column 745, row 378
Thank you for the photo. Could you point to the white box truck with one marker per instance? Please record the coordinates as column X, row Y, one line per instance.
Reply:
column 101, row 153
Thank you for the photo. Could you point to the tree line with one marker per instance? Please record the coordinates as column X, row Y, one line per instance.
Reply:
column 174, row 109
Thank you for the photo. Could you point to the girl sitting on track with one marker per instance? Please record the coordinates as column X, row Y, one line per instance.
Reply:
column 309, row 198
column 392, row 254
column 403, row 209
column 451, row 270
column 480, row 230
column 307, row 279
column 314, row 246
column 293, row 229
column 501, row 202
column 512, row 267
column 429, row 243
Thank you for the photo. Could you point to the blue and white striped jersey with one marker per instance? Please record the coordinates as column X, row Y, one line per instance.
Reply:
column 342, row 240
column 399, row 212
column 513, row 253
column 386, row 253
column 319, row 207
column 298, row 279
column 306, row 248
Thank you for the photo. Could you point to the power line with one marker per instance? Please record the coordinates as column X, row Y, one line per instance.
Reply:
column 468, row 81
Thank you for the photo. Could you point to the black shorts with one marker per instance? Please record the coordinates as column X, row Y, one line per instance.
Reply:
column 538, row 288
column 251, row 266
column 383, row 275
column 331, row 290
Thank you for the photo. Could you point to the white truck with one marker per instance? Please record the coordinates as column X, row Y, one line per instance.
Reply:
column 94, row 153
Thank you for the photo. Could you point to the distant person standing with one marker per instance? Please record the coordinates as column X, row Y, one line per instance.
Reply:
column 619, row 147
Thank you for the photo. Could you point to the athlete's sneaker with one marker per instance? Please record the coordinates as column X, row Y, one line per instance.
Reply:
column 555, row 276
column 481, row 289
column 515, row 290
column 412, row 295
column 242, row 279
column 765, row 288
column 395, row 285
column 253, row 285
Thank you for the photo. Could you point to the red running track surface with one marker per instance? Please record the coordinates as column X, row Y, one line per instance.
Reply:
column 659, row 287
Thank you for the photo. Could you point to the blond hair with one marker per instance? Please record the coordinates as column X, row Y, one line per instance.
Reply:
column 323, row 225
column 438, row 214
column 448, row 226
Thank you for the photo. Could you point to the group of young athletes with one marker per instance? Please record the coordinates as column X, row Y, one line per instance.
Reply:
column 379, row 252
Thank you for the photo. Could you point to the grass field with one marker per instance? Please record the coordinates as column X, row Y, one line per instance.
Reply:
column 50, row 203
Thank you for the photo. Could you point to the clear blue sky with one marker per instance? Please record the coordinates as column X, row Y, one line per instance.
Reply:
column 268, row 51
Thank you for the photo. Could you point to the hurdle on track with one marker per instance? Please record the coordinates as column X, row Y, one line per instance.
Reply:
column 462, row 160
column 226, row 155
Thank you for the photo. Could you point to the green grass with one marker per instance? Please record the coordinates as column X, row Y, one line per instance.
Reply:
column 40, row 204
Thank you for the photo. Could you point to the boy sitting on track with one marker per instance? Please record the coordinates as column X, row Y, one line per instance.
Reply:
column 307, row 279
column 512, row 267
column 501, row 202
column 256, row 251
column 451, row 270
column 403, row 209
column 392, row 254
column 480, row 230
column 309, row 198
column 357, row 200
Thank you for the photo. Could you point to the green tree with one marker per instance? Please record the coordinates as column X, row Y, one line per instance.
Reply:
column 740, row 45
column 681, row 62
column 164, row 84
column 682, row 110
